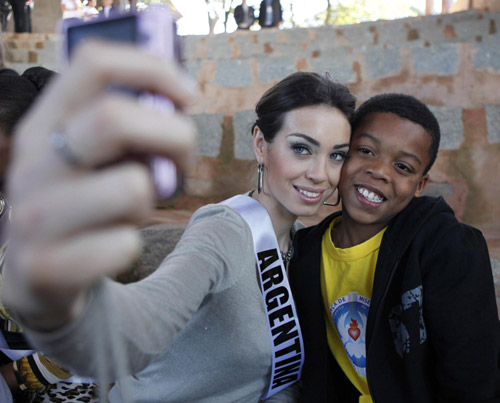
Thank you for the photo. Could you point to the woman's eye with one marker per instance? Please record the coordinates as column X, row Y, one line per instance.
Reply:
column 340, row 156
column 300, row 149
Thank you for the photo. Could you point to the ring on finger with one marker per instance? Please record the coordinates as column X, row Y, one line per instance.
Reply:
column 59, row 142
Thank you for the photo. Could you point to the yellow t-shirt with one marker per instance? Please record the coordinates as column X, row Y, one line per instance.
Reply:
column 346, row 284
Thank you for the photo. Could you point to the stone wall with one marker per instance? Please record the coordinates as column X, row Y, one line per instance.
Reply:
column 451, row 62
column 21, row 51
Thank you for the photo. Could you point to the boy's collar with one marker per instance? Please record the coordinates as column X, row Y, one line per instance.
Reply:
column 410, row 220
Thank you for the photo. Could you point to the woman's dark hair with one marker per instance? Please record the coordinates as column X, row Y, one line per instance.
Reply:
column 17, row 93
column 296, row 91
column 406, row 107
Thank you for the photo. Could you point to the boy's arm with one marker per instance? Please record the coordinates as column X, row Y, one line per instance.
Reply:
column 461, row 317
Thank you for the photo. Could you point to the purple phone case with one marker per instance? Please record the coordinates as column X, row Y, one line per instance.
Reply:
column 154, row 31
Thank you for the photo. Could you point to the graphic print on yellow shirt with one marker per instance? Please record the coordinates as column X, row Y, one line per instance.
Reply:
column 350, row 315
column 347, row 282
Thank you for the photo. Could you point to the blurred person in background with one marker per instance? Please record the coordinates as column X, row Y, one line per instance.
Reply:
column 90, row 11
column 71, row 9
column 22, row 15
column 108, row 9
column 244, row 15
column 270, row 14
column 5, row 10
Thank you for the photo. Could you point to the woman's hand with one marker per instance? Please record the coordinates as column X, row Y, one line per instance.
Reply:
column 75, row 223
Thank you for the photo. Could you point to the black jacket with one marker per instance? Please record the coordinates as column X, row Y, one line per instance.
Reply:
column 239, row 16
column 433, row 282
column 277, row 14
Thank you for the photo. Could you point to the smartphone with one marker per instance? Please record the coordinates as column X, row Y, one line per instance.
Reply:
column 154, row 30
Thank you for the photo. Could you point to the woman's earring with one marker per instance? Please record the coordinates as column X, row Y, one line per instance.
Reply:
column 336, row 203
column 260, row 177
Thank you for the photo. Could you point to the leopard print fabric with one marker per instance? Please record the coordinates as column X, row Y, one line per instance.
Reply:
column 63, row 393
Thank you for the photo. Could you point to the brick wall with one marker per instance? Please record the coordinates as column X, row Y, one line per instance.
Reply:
column 451, row 62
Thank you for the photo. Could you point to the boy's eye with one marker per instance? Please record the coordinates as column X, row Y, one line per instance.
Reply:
column 364, row 150
column 404, row 167
column 301, row 149
column 338, row 156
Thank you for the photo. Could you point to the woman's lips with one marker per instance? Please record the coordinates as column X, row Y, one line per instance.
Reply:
column 309, row 195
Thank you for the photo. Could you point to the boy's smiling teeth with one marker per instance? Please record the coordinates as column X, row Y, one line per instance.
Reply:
column 369, row 195
column 309, row 194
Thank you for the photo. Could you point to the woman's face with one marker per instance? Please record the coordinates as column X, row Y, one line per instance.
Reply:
column 302, row 165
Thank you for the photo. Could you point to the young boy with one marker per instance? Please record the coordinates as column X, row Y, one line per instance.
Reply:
column 395, row 296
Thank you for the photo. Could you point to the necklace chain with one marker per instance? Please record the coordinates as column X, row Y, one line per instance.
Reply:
column 288, row 256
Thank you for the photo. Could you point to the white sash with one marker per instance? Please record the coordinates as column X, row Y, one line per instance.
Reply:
column 284, row 329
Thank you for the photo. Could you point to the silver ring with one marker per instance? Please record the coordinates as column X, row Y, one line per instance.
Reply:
column 2, row 204
column 60, row 144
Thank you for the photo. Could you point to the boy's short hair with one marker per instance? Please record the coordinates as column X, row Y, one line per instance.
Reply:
column 406, row 107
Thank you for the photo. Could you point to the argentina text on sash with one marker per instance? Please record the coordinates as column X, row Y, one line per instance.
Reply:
column 284, row 329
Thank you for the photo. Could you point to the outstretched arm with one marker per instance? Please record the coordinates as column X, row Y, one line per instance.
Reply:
column 63, row 210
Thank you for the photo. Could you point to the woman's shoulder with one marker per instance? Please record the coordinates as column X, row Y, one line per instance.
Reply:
column 222, row 237
column 221, row 213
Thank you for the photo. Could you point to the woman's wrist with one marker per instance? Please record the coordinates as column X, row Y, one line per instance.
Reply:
column 52, row 319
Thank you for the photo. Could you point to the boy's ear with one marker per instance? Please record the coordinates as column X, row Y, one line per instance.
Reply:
column 421, row 185
column 259, row 143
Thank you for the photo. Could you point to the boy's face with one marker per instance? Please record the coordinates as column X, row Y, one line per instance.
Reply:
column 385, row 170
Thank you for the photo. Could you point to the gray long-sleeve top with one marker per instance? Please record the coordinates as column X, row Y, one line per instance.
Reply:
column 194, row 330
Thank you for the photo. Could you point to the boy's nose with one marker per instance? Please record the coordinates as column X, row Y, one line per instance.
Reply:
column 378, row 169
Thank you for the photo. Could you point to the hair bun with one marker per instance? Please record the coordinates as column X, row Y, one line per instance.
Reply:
column 39, row 76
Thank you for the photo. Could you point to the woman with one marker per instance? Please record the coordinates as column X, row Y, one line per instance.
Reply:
column 196, row 329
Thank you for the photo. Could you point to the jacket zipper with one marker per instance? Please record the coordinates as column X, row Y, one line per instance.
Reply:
column 377, row 320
